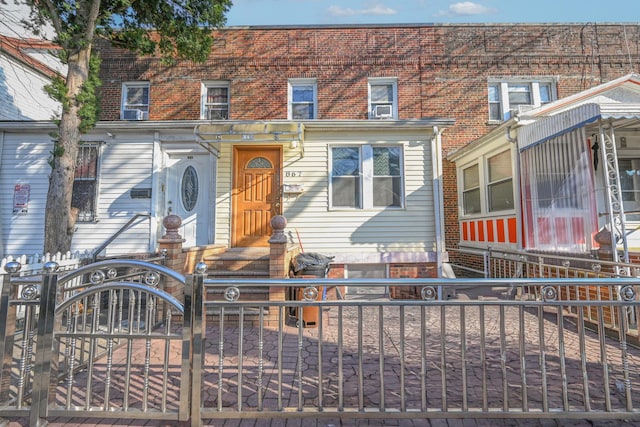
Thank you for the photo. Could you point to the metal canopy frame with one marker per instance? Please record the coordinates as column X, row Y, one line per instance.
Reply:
column 211, row 135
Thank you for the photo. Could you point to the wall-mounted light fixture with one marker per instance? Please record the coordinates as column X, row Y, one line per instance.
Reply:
column 294, row 144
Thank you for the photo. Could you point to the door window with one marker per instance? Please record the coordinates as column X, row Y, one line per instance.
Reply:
column 189, row 188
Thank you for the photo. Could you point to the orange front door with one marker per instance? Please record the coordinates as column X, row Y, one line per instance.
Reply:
column 255, row 195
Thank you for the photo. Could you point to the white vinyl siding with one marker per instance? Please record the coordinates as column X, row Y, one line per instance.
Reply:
column 223, row 199
column 24, row 161
column 23, row 234
column 23, row 96
column 363, row 232
column 118, row 176
column 359, row 235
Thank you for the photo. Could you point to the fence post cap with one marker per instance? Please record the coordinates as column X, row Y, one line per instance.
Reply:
column 201, row 268
column 12, row 267
column 51, row 266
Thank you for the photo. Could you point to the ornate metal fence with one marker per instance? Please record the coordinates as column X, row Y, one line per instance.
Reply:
column 96, row 342
column 487, row 353
column 106, row 341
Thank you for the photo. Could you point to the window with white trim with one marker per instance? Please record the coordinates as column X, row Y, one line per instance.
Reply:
column 85, row 182
column 471, row 190
column 487, row 185
column 215, row 101
column 135, row 101
column 367, row 177
column 303, row 99
column 507, row 98
column 500, row 182
column 629, row 169
column 383, row 98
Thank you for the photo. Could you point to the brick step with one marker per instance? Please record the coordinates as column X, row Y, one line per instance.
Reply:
column 238, row 262
column 237, row 265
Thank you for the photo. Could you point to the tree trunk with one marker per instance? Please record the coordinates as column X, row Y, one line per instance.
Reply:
column 59, row 219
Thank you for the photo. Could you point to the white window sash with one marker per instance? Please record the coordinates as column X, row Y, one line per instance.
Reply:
column 394, row 101
column 534, row 88
column 302, row 82
column 367, row 178
column 204, row 95
column 127, row 87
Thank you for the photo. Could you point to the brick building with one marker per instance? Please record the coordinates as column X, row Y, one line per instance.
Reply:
column 323, row 101
column 437, row 71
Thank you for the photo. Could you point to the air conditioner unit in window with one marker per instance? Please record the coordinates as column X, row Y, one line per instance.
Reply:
column 217, row 114
column 382, row 112
column 135, row 115
column 525, row 108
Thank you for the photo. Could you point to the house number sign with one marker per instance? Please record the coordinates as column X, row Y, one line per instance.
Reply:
column 291, row 174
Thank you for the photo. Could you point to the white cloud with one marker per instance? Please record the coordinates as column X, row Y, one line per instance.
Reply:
column 465, row 8
column 373, row 9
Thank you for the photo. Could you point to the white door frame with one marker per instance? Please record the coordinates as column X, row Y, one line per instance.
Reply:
column 206, row 186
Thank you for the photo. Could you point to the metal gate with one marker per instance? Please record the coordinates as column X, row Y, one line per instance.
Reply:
column 103, row 341
column 106, row 341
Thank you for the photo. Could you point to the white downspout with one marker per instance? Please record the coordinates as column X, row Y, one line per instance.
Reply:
column 515, row 159
column 157, row 195
column 436, row 156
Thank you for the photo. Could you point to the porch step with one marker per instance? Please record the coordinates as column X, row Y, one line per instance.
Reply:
column 237, row 274
column 238, row 263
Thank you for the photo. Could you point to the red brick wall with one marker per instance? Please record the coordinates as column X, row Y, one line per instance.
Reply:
column 442, row 71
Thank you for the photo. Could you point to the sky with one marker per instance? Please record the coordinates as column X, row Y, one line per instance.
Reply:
column 329, row 12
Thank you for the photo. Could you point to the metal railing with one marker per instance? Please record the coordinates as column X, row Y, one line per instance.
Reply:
column 121, row 230
column 113, row 344
column 482, row 355
column 506, row 264
column 503, row 263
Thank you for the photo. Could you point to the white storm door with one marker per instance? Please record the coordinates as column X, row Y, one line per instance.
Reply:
column 188, row 188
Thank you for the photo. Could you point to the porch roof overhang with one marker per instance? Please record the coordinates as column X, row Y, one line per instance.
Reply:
column 210, row 135
column 617, row 116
